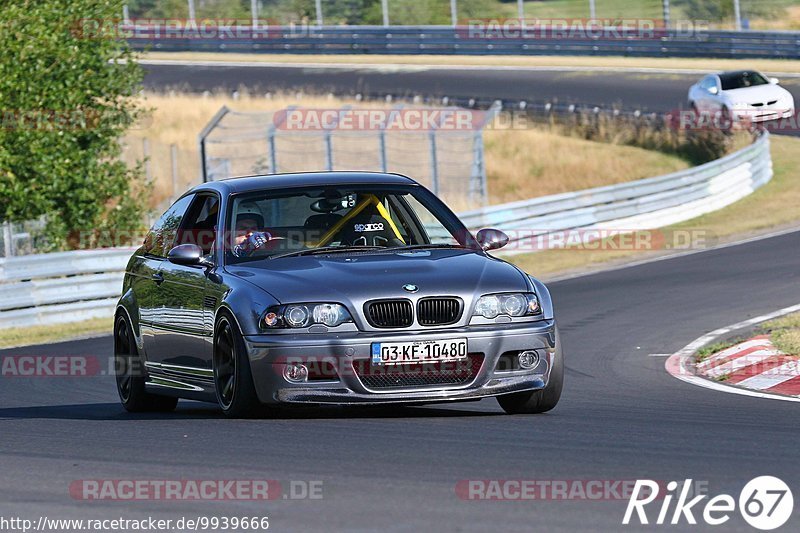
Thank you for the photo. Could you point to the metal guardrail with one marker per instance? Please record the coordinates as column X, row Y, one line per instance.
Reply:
column 71, row 286
column 448, row 40
column 648, row 203
column 60, row 287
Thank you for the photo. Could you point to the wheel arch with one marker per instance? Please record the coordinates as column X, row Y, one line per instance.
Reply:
column 126, row 307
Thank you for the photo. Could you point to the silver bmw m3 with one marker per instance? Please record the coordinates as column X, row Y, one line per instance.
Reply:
column 329, row 288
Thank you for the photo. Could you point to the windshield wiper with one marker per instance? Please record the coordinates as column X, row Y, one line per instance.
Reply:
column 326, row 249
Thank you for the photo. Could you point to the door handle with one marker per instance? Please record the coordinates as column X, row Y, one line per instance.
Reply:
column 158, row 277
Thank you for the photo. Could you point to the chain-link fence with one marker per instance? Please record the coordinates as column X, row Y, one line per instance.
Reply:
column 725, row 14
column 442, row 148
column 23, row 238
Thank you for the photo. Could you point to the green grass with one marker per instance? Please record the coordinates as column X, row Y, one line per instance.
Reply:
column 706, row 351
column 785, row 333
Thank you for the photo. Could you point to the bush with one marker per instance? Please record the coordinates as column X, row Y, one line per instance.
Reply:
column 650, row 132
column 67, row 95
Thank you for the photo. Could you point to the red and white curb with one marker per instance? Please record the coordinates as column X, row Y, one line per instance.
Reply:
column 752, row 368
column 754, row 364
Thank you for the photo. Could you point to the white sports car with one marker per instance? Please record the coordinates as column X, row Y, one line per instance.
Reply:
column 741, row 95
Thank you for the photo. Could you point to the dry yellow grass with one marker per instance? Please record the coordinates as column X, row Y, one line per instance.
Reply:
column 611, row 62
column 772, row 206
column 528, row 163
column 789, row 22
column 521, row 163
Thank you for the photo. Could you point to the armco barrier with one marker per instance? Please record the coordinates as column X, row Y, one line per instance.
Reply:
column 648, row 203
column 60, row 287
column 448, row 40
column 70, row 286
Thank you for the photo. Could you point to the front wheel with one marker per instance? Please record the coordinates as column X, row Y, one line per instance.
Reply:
column 233, row 381
column 542, row 400
column 130, row 374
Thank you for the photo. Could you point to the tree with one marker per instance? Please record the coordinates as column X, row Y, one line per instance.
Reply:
column 68, row 92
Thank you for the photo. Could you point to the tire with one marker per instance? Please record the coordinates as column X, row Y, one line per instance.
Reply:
column 233, row 380
column 542, row 400
column 131, row 377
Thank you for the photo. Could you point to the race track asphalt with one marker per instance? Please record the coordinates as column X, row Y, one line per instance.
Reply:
column 621, row 417
column 652, row 92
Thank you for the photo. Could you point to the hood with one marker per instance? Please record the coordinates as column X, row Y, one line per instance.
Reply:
column 356, row 278
column 758, row 94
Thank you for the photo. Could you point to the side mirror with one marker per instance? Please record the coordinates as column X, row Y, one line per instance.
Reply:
column 774, row 81
column 713, row 90
column 491, row 239
column 188, row 255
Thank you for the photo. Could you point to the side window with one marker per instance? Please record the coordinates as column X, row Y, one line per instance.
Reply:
column 434, row 230
column 160, row 238
column 200, row 224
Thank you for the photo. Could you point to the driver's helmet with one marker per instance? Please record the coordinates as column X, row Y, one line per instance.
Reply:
column 250, row 211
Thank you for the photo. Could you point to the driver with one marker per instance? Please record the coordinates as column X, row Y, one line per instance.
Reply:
column 247, row 235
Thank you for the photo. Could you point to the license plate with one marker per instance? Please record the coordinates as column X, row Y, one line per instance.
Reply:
column 397, row 353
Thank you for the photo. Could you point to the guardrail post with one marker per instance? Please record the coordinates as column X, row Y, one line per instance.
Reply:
column 8, row 240
column 476, row 181
column 385, row 9
column 191, row 12
column 273, row 156
column 382, row 150
column 318, row 6
column 328, row 150
column 737, row 15
column 434, row 162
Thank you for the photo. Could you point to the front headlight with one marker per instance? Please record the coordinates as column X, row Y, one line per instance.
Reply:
column 304, row 315
column 512, row 304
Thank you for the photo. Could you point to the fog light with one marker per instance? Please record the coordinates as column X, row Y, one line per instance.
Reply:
column 528, row 359
column 295, row 373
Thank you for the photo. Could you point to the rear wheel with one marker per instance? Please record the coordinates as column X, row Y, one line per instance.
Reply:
column 542, row 400
column 233, row 381
column 131, row 376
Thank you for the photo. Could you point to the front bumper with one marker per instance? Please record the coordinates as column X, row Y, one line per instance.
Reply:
column 268, row 355
column 762, row 114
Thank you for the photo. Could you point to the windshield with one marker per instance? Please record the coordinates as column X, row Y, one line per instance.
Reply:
column 276, row 224
column 740, row 80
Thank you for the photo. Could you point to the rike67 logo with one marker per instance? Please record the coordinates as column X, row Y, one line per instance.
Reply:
column 765, row 503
